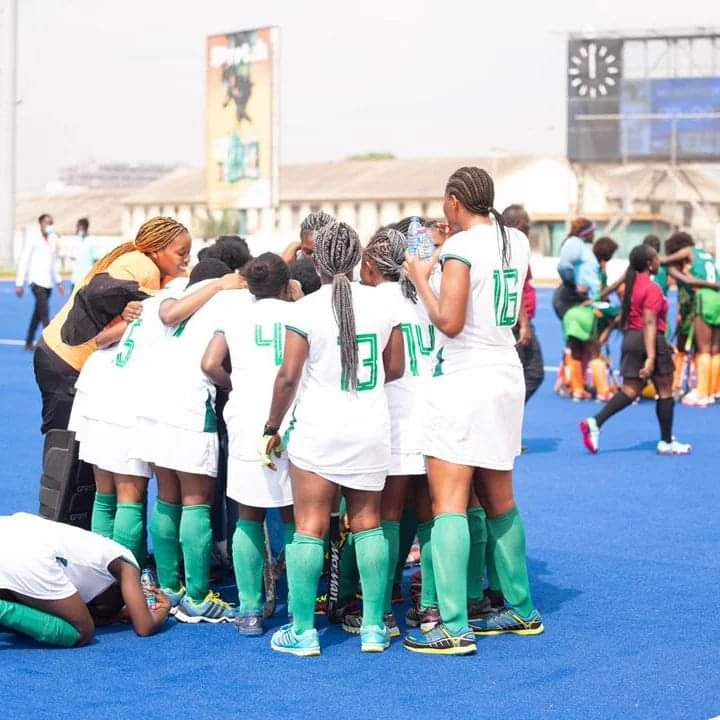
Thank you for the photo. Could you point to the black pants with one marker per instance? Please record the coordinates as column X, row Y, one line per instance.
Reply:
column 41, row 313
column 531, row 358
column 56, row 380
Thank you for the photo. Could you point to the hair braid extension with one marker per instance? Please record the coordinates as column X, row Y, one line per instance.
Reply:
column 337, row 252
column 387, row 249
column 474, row 189
column 314, row 221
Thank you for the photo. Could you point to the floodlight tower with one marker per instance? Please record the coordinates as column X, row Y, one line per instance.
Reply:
column 8, row 58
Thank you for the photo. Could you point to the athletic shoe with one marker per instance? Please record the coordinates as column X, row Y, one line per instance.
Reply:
column 352, row 623
column 692, row 399
column 440, row 641
column 581, row 395
column 604, row 397
column 174, row 596
column 591, row 434
column 396, row 595
column 508, row 621
column 286, row 640
column 479, row 608
column 250, row 624
column 426, row 618
column 213, row 609
column 673, row 448
column 497, row 601
column 374, row 639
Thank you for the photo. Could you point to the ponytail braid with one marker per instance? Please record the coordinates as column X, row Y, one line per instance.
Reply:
column 474, row 189
column 337, row 252
column 387, row 249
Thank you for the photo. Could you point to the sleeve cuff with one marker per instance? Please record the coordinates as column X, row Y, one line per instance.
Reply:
column 294, row 329
column 451, row 256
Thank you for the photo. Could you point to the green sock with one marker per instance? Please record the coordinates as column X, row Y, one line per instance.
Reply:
column 128, row 527
column 492, row 576
column 304, row 559
column 391, row 532
column 39, row 625
column 103, row 514
column 450, row 550
column 196, row 542
column 508, row 534
column 428, row 593
column 288, row 538
column 165, row 533
column 372, row 558
column 476, row 564
column 248, row 559
column 408, row 529
column 349, row 577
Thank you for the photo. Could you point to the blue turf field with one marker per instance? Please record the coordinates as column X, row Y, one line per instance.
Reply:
column 623, row 552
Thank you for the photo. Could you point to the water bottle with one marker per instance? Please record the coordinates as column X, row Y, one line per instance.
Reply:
column 147, row 581
column 425, row 247
column 413, row 235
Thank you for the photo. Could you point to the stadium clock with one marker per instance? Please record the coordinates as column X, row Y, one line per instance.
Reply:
column 594, row 70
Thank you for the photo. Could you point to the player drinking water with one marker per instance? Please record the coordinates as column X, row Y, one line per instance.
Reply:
column 253, row 341
column 339, row 436
column 474, row 412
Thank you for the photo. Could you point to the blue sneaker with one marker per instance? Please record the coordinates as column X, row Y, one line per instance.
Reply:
column 440, row 641
column 174, row 596
column 286, row 640
column 507, row 620
column 213, row 609
column 374, row 638
column 249, row 623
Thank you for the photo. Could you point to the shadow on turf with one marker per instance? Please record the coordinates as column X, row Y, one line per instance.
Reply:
column 647, row 446
column 542, row 445
column 548, row 597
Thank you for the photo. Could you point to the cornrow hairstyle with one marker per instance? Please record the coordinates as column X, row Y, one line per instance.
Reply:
column 678, row 241
column 604, row 248
column 474, row 189
column 639, row 259
column 208, row 269
column 154, row 234
column 267, row 276
column 314, row 221
column 337, row 252
column 387, row 249
column 404, row 225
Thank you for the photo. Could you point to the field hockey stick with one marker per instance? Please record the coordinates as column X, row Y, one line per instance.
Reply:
column 333, row 594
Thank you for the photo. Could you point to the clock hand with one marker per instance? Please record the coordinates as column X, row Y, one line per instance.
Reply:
column 592, row 69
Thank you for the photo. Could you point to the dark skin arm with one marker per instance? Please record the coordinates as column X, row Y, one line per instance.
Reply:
column 691, row 280
column 649, row 336
column 290, row 252
column 614, row 287
column 144, row 621
column 448, row 311
column 682, row 255
column 111, row 334
column 173, row 311
column 523, row 326
column 213, row 362
column 394, row 356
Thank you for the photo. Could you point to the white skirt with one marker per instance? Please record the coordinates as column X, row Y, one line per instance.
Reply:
column 475, row 417
column 256, row 485
column 407, row 464
column 176, row 448
column 110, row 447
column 373, row 481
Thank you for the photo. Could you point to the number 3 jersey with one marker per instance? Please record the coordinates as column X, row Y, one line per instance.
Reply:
column 255, row 341
column 494, row 301
column 332, row 428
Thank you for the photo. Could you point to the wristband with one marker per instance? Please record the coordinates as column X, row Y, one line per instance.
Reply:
column 270, row 430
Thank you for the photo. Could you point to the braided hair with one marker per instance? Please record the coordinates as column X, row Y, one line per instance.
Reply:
column 314, row 221
column 639, row 260
column 474, row 189
column 387, row 250
column 337, row 252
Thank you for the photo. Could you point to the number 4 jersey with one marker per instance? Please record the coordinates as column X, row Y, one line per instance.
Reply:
column 333, row 429
column 494, row 302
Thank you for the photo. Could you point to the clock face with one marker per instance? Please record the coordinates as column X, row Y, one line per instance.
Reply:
column 594, row 69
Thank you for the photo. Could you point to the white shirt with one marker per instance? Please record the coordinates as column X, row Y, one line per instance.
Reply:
column 179, row 394
column 493, row 302
column 52, row 561
column 333, row 429
column 256, row 341
column 405, row 395
column 38, row 263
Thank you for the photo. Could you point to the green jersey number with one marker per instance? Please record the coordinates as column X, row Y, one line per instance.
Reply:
column 368, row 357
column 123, row 357
column 275, row 341
column 507, row 306
column 414, row 342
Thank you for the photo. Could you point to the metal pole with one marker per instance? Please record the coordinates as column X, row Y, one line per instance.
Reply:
column 8, row 82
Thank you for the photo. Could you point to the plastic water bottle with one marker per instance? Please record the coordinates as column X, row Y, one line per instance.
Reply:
column 425, row 247
column 147, row 581
column 413, row 236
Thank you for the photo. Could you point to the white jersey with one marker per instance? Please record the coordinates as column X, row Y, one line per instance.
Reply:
column 405, row 394
column 179, row 394
column 255, row 340
column 332, row 429
column 112, row 381
column 52, row 561
column 494, row 300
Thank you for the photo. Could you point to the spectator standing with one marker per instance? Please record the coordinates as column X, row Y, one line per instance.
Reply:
column 86, row 254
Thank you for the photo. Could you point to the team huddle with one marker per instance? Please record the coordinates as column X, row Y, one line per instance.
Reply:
column 403, row 389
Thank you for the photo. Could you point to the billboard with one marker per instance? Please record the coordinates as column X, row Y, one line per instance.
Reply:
column 242, row 128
